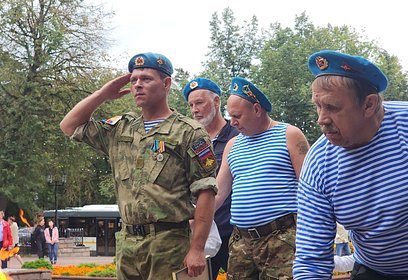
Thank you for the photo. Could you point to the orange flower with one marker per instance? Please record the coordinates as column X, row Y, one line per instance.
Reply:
column 79, row 270
column 222, row 276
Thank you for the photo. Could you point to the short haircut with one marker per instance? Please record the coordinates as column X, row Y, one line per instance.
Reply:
column 360, row 88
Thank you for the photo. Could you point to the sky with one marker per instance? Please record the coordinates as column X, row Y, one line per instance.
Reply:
column 180, row 29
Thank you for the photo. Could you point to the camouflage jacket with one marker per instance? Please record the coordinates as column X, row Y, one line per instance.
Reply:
column 157, row 174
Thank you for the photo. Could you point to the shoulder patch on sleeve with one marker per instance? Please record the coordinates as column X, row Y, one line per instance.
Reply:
column 112, row 121
column 205, row 154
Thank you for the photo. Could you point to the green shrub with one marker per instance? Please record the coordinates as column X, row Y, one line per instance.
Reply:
column 38, row 264
column 109, row 272
column 87, row 265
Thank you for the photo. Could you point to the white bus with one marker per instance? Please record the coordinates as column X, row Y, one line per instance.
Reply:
column 91, row 225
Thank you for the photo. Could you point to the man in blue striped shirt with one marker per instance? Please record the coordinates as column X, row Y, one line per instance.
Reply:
column 355, row 174
column 260, row 166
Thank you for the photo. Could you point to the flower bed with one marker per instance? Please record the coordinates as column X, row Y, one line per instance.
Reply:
column 105, row 271
column 93, row 271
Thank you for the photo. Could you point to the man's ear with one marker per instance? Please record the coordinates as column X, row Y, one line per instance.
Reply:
column 217, row 101
column 167, row 82
column 257, row 109
column 371, row 104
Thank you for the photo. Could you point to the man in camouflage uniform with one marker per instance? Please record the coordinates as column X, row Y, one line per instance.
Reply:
column 160, row 161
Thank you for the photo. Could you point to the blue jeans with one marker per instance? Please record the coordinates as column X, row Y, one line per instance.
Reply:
column 340, row 247
column 53, row 252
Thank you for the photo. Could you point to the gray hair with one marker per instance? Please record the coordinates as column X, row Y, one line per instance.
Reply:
column 361, row 89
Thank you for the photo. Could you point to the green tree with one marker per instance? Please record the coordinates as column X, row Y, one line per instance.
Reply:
column 52, row 52
column 176, row 98
column 233, row 48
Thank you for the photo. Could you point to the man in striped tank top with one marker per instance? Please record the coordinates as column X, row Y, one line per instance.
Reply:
column 355, row 173
column 260, row 167
column 161, row 161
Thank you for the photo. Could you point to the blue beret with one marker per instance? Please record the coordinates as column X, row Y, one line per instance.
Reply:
column 339, row 64
column 201, row 83
column 151, row 60
column 247, row 90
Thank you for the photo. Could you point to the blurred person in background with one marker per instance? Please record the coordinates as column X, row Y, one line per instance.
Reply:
column 39, row 237
column 6, row 240
column 342, row 241
column 14, row 234
column 52, row 239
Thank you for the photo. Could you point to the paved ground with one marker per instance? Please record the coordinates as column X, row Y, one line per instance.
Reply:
column 13, row 263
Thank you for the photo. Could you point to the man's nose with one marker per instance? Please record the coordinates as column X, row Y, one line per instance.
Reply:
column 194, row 109
column 323, row 118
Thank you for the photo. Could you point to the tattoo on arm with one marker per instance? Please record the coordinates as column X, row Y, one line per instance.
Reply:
column 303, row 147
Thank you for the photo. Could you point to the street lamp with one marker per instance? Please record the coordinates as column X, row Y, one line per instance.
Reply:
column 55, row 183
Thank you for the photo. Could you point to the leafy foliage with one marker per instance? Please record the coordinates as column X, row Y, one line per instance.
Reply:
column 87, row 265
column 108, row 272
column 233, row 50
column 176, row 98
column 40, row 263
column 50, row 52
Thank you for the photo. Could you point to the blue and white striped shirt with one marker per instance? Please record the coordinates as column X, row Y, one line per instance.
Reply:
column 264, row 181
column 150, row 124
column 364, row 189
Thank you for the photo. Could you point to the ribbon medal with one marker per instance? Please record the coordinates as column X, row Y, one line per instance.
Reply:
column 159, row 147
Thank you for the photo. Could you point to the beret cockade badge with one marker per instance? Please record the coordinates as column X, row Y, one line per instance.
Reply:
column 322, row 63
column 139, row 61
column 160, row 61
column 193, row 84
column 346, row 67
column 248, row 92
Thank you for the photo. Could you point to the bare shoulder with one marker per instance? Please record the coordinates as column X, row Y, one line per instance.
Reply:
column 293, row 131
column 227, row 149
column 230, row 143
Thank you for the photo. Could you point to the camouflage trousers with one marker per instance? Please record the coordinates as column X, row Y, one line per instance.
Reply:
column 153, row 257
column 269, row 257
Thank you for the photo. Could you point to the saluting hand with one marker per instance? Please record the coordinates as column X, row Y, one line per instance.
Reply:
column 113, row 89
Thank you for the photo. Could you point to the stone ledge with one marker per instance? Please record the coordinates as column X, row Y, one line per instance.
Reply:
column 28, row 274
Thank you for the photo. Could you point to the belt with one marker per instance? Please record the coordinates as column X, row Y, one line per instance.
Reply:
column 143, row 230
column 276, row 226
